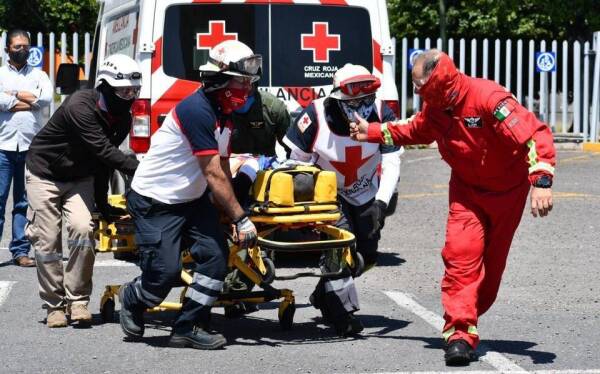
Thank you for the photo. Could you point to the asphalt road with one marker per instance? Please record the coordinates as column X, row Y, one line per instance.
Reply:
column 546, row 318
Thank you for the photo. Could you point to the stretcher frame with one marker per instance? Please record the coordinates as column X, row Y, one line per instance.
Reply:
column 257, row 268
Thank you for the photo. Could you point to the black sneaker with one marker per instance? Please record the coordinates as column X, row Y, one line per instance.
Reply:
column 459, row 353
column 131, row 320
column 197, row 338
column 348, row 325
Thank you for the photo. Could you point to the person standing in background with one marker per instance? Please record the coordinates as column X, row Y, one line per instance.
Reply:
column 24, row 91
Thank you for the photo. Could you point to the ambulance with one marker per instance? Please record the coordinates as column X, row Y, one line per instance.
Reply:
column 303, row 43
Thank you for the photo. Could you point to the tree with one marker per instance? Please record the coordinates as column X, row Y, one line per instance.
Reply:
column 526, row 19
column 49, row 15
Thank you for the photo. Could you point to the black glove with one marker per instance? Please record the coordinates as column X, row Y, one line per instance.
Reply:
column 375, row 214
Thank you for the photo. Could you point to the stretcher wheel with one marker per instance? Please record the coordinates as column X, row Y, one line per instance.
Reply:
column 107, row 311
column 270, row 275
column 286, row 317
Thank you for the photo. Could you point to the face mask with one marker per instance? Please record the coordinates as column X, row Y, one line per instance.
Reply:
column 363, row 106
column 244, row 109
column 19, row 57
column 231, row 99
column 115, row 105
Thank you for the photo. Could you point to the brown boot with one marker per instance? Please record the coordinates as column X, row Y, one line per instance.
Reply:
column 24, row 262
column 80, row 313
column 56, row 318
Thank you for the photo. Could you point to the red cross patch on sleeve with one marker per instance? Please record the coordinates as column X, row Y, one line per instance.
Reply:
column 304, row 122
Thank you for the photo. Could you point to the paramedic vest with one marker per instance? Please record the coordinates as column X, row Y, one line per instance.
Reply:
column 355, row 163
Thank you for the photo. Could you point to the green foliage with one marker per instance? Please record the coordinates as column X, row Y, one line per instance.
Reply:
column 49, row 15
column 526, row 19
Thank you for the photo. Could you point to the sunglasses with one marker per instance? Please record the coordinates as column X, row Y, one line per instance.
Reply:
column 362, row 84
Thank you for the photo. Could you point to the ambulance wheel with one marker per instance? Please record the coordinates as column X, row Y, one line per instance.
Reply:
column 107, row 311
column 269, row 277
column 286, row 317
column 359, row 265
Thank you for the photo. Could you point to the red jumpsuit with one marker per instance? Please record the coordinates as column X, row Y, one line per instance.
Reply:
column 495, row 148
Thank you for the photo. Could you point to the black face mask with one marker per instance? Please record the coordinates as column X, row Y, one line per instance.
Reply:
column 115, row 105
column 19, row 57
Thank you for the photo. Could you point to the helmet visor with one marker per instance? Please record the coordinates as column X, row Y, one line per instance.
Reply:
column 360, row 85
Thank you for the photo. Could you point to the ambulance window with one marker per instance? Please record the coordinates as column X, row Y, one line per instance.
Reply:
column 121, row 34
column 310, row 42
column 190, row 30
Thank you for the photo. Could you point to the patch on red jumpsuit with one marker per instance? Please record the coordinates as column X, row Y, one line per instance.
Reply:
column 473, row 122
column 503, row 110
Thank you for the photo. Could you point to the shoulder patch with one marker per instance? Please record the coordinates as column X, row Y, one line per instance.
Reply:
column 503, row 110
column 473, row 122
column 304, row 122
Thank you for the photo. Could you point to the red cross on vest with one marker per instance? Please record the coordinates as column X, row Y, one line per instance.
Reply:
column 215, row 35
column 320, row 41
column 349, row 168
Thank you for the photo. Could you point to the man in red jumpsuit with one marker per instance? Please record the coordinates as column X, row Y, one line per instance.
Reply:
column 496, row 150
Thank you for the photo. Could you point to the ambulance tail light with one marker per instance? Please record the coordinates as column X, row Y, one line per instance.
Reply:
column 394, row 106
column 139, row 137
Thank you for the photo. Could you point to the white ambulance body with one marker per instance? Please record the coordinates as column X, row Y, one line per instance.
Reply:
column 303, row 42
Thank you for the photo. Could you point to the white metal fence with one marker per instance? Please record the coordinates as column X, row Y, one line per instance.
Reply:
column 568, row 99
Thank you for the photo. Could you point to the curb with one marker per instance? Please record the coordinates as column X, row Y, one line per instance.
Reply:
column 591, row 147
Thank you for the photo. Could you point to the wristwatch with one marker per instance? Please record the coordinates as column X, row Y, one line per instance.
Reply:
column 544, row 181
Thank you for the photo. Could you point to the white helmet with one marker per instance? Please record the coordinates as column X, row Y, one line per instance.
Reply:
column 352, row 82
column 232, row 57
column 119, row 71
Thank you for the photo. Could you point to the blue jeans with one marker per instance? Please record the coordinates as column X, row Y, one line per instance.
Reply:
column 12, row 169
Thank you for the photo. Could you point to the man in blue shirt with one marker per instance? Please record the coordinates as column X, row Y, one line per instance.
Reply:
column 24, row 90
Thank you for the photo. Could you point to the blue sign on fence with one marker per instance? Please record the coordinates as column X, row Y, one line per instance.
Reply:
column 412, row 54
column 545, row 62
column 36, row 57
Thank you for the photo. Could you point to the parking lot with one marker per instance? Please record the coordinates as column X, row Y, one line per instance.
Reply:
column 545, row 320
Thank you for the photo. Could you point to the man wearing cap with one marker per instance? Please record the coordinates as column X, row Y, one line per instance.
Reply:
column 498, row 152
column 69, row 160
column 321, row 134
column 171, row 206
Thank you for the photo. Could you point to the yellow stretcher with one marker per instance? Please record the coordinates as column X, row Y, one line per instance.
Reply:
column 275, row 210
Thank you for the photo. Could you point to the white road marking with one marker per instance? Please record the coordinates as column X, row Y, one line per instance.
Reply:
column 420, row 159
column 5, row 287
column 118, row 263
column 494, row 359
column 567, row 371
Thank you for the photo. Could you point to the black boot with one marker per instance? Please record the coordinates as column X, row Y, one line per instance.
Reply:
column 347, row 325
column 459, row 353
column 131, row 319
column 197, row 338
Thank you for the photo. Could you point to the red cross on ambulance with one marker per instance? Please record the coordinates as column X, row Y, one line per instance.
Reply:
column 320, row 42
column 215, row 35
column 353, row 162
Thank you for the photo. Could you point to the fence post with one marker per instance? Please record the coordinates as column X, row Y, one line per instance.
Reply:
column 404, row 68
column 596, row 90
column 531, row 68
column 486, row 55
column 451, row 48
column 86, row 56
column 497, row 61
column 520, row 71
column 473, row 57
column 586, row 89
column 508, row 64
column 462, row 54
column 565, row 86
column 2, row 47
column 51, row 66
column 553, row 90
column 416, row 98
column 543, row 89
column 576, row 87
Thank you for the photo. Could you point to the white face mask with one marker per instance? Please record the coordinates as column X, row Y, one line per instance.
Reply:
column 363, row 106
